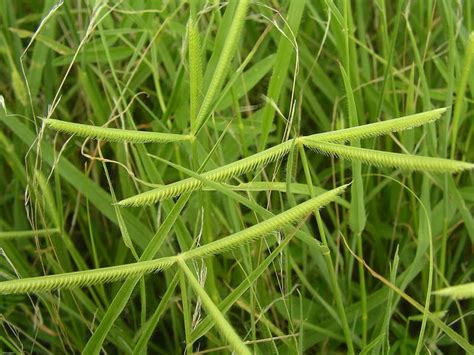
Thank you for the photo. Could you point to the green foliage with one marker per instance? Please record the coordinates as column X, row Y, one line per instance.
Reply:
column 228, row 246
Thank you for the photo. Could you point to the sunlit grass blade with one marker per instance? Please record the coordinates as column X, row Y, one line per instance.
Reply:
column 388, row 159
column 195, row 71
column 460, row 91
column 113, row 134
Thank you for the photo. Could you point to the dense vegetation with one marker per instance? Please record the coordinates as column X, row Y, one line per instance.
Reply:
column 165, row 166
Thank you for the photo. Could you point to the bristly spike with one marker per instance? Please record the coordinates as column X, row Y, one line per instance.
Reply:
column 272, row 154
column 220, row 174
column 84, row 278
column 388, row 159
column 457, row 292
column 113, row 134
column 379, row 128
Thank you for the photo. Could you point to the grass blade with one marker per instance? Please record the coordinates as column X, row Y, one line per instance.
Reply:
column 11, row 235
column 223, row 64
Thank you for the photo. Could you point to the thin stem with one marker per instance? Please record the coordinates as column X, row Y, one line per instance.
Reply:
column 363, row 291
column 461, row 90
column 186, row 312
column 327, row 258
column 225, row 328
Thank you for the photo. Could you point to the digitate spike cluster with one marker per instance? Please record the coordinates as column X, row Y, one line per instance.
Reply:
column 321, row 143
column 249, row 83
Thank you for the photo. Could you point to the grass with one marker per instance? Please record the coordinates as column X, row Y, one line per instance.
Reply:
column 210, row 237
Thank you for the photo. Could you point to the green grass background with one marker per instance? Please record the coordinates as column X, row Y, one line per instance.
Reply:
column 293, row 68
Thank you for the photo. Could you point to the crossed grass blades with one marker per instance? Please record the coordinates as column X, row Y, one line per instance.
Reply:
column 116, row 273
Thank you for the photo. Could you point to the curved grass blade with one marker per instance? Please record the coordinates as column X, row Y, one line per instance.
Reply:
column 388, row 159
column 223, row 64
column 116, row 273
column 113, row 134
column 146, row 331
column 379, row 128
column 223, row 173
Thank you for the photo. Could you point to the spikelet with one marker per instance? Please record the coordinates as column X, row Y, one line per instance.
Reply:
column 113, row 134
column 222, row 65
column 379, row 128
column 387, row 159
column 223, row 173
column 84, row 278
column 457, row 292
